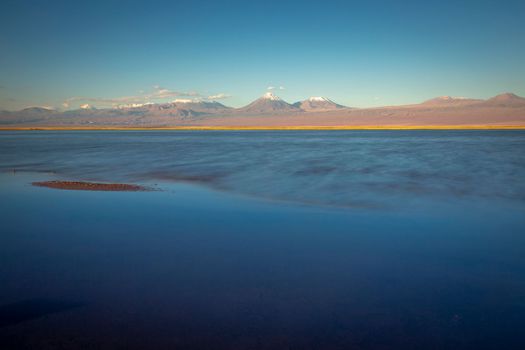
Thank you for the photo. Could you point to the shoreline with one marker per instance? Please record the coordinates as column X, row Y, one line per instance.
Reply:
column 269, row 128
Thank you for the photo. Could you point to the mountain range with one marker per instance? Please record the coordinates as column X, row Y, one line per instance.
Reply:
column 271, row 110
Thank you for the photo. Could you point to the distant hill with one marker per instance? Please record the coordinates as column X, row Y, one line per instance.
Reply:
column 451, row 101
column 506, row 100
column 198, row 106
column 37, row 110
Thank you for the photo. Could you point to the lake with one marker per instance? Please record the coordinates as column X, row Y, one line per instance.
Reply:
column 264, row 240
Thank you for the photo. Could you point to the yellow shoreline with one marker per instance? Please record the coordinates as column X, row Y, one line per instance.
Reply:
column 335, row 127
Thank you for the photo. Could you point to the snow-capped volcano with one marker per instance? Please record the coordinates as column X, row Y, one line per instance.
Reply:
column 268, row 103
column 319, row 99
column 318, row 103
column 270, row 96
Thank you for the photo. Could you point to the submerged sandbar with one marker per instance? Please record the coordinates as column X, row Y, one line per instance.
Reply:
column 90, row 186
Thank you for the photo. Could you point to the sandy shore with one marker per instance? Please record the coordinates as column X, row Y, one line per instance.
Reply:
column 235, row 128
column 90, row 186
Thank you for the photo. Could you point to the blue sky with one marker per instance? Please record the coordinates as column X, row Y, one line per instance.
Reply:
column 359, row 53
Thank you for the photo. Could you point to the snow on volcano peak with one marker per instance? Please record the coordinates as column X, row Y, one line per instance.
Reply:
column 271, row 96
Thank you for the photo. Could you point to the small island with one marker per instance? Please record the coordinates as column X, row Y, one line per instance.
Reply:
column 90, row 186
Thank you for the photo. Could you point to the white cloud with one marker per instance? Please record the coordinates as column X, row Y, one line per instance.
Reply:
column 220, row 96
column 162, row 93
column 270, row 88
column 281, row 87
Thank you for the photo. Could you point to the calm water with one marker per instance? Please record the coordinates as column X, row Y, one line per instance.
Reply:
column 264, row 240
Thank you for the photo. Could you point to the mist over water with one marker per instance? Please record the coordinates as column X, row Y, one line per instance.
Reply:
column 264, row 240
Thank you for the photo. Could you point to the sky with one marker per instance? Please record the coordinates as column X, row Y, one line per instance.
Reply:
column 64, row 54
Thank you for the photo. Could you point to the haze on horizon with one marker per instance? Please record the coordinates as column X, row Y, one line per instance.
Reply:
column 66, row 54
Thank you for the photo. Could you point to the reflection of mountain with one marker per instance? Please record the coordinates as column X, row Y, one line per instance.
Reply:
column 270, row 110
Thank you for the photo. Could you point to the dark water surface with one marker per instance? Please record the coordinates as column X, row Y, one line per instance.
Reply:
column 264, row 240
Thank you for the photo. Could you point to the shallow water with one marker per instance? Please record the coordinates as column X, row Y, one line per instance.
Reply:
column 264, row 240
column 341, row 168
